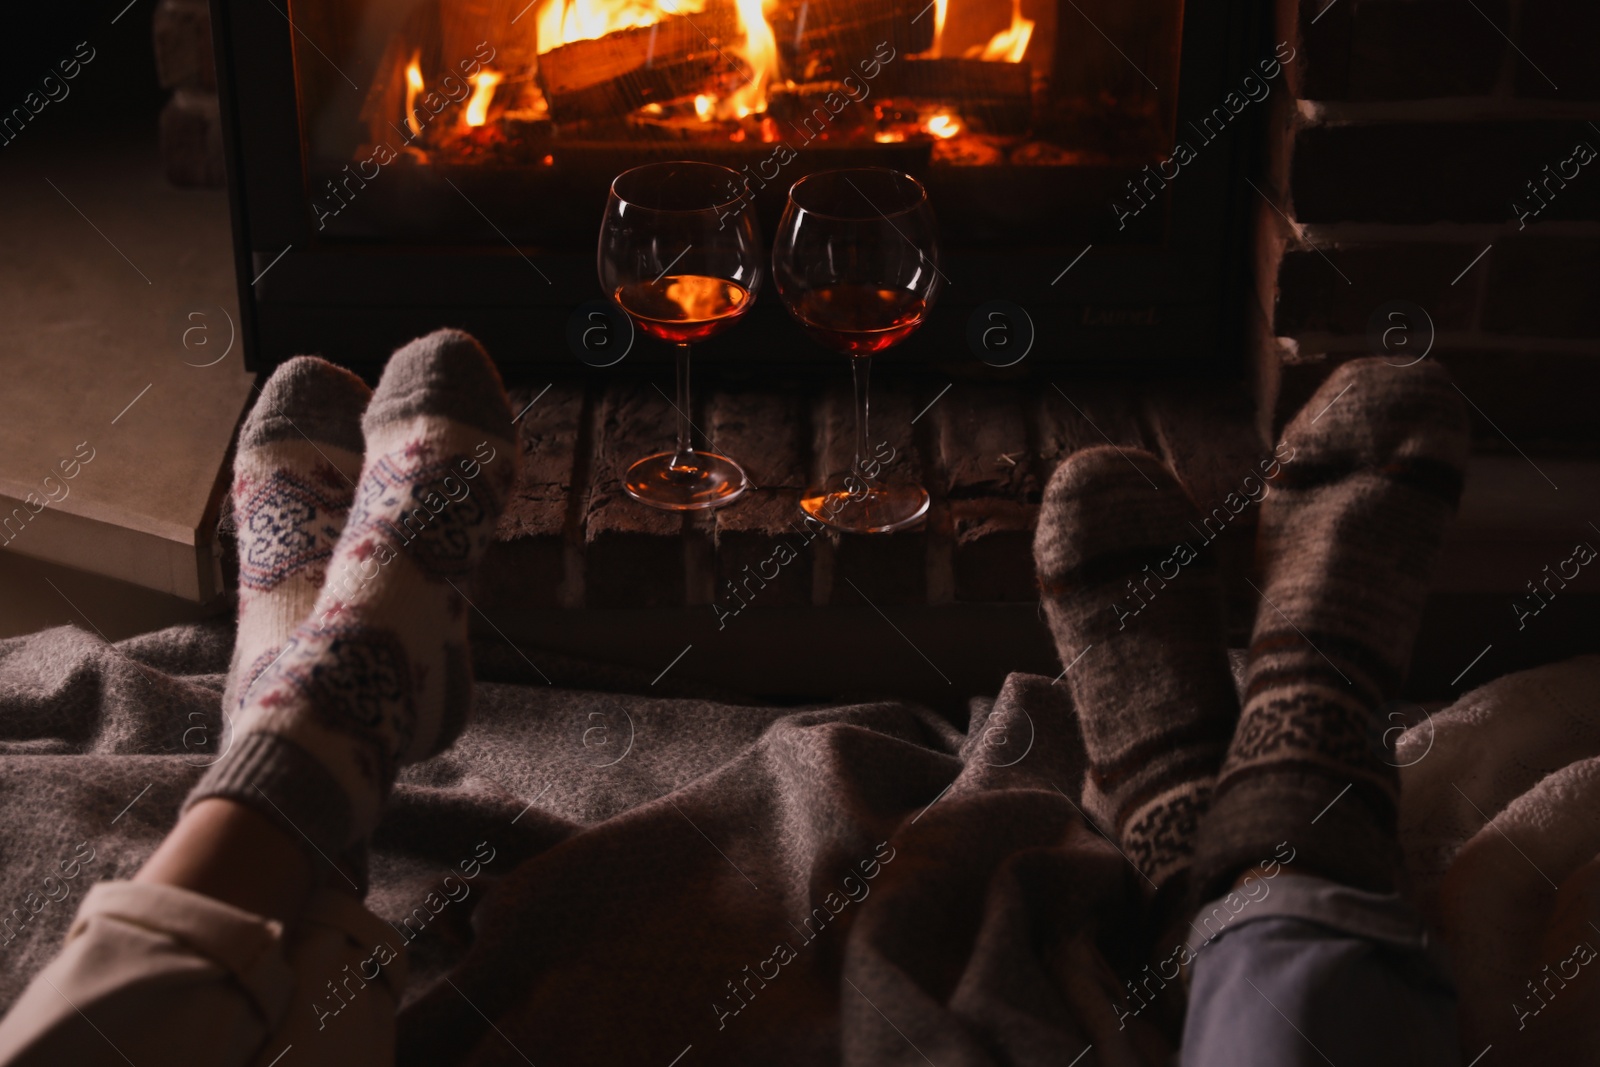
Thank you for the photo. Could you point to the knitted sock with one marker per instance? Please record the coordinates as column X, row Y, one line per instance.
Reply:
column 1136, row 610
column 294, row 478
column 1346, row 543
column 378, row 675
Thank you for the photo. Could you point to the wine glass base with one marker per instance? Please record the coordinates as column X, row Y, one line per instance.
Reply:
column 712, row 481
column 879, row 509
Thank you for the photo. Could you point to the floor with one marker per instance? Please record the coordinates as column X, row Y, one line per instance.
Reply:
column 104, row 265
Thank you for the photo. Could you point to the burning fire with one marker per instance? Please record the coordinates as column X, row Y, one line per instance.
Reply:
column 1011, row 43
column 761, row 53
column 564, row 21
column 413, row 87
column 483, row 83
column 941, row 8
column 741, row 111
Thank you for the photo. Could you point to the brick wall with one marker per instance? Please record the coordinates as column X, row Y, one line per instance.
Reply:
column 1415, row 128
column 191, row 124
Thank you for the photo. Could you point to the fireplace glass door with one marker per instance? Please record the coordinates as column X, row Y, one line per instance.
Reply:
column 472, row 122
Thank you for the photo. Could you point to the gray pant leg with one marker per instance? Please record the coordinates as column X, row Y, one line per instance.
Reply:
column 1313, row 973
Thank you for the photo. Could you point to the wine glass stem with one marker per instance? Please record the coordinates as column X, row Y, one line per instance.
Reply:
column 861, row 369
column 684, row 456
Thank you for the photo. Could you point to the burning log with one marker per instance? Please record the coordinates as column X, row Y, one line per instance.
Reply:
column 819, row 38
column 608, row 77
column 993, row 97
column 465, row 25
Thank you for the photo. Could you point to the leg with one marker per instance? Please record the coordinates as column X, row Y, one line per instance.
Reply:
column 294, row 480
column 1306, row 952
column 1346, row 546
column 1320, row 973
column 227, row 918
column 1137, row 614
column 377, row 675
column 154, row 974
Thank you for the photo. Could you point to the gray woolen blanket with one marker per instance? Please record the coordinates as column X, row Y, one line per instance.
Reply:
column 658, row 873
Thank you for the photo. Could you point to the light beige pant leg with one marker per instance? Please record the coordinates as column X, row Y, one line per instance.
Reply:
column 350, row 968
column 152, row 975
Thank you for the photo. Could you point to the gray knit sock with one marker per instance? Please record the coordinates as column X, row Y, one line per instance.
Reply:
column 378, row 675
column 1346, row 544
column 294, row 478
column 1135, row 605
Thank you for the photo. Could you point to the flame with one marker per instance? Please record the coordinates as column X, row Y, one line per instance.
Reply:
column 761, row 54
column 483, row 84
column 1011, row 43
column 703, row 106
column 943, row 124
column 413, row 87
column 941, row 8
column 564, row 21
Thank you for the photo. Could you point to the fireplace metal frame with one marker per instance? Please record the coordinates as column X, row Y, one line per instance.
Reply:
column 1177, row 306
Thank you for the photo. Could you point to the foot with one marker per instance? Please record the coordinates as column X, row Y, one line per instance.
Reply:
column 1346, row 544
column 294, row 479
column 1135, row 606
column 378, row 675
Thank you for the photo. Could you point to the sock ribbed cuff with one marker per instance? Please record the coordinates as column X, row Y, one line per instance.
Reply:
column 278, row 779
column 1346, row 831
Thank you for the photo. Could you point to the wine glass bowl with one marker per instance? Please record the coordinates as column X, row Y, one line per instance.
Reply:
column 679, row 254
column 856, row 265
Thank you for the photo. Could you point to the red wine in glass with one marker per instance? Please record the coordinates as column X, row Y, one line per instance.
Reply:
column 856, row 262
column 683, row 308
column 679, row 254
column 859, row 320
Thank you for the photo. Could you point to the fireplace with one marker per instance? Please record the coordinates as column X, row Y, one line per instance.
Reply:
column 396, row 165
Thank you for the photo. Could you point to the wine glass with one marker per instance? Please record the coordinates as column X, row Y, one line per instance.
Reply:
column 679, row 254
column 856, row 262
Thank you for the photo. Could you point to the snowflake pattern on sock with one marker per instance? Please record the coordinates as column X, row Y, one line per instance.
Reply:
column 441, row 508
column 289, row 522
column 354, row 679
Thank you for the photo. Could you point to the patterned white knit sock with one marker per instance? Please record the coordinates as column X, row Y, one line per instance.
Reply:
column 294, row 478
column 378, row 675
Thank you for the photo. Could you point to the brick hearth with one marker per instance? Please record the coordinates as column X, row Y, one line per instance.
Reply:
column 572, row 538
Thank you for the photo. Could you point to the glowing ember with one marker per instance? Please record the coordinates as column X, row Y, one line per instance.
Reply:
column 703, row 106
column 413, row 87
column 483, row 84
column 1011, row 43
column 943, row 124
